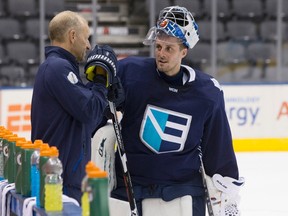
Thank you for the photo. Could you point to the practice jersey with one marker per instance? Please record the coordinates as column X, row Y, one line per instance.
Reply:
column 164, row 125
column 65, row 112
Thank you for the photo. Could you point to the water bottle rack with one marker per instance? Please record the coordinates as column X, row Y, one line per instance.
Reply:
column 16, row 206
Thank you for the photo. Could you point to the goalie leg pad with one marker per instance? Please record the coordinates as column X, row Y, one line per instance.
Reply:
column 118, row 207
column 157, row 207
column 103, row 152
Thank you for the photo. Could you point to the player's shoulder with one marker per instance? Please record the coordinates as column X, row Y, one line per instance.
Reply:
column 206, row 79
column 136, row 61
column 204, row 84
column 200, row 78
column 133, row 65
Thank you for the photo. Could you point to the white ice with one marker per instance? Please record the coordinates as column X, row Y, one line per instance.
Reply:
column 265, row 192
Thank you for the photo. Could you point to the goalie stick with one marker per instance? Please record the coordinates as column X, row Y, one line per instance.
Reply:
column 207, row 195
column 122, row 154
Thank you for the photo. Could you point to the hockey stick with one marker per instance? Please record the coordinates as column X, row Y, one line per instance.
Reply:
column 207, row 195
column 122, row 154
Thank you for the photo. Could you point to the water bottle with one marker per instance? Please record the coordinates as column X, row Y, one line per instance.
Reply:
column 12, row 157
column 6, row 153
column 44, row 156
column 26, row 153
column 98, row 197
column 3, row 132
column 18, row 167
column 53, row 182
column 9, row 155
column 5, row 147
column 86, row 189
column 35, row 173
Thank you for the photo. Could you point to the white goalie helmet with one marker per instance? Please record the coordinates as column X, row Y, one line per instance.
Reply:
column 175, row 21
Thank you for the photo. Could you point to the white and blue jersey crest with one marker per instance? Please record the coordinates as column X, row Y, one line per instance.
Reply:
column 164, row 131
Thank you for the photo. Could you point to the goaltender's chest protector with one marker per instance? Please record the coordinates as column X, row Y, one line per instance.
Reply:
column 165, row 118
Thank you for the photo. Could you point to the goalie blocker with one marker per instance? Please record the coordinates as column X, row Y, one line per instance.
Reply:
column 224, row 194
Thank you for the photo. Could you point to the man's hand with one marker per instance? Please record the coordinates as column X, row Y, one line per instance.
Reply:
column 101, row 65
column 116, row 94
column 224, row 194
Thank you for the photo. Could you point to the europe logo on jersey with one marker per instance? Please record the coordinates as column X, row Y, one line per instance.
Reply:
column 164, row 131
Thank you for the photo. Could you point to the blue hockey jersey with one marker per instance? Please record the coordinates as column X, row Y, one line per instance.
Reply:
column 65, row 112
column 163, row 126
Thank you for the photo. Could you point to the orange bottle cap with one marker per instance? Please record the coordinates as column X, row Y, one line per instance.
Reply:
column 54, row 151
column 9, row 136
column 97, row 174
column 45, row 151
column 90, row 166
column 44, row 146
column 13, row 138
column 2, row 133
column 37, row 143
column 21, row 142
column 7, row 133
column 28, row 145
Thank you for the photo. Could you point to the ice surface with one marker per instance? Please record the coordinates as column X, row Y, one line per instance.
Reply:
column 265, row 192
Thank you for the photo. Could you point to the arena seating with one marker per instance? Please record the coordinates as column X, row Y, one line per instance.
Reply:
column 123, row 25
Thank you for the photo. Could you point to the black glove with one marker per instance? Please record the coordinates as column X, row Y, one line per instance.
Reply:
column 101, row 65
column 116, row 94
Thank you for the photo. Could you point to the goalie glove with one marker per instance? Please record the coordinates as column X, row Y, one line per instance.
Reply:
column 101, row 65
column 116, row 94
column 224, row 195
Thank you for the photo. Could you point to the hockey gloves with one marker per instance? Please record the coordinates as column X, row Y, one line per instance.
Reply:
column 116, row 95
column 101, row 68
column 224, row 195
column 101, row 65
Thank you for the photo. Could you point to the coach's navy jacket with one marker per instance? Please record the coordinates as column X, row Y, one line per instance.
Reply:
column 65, row 112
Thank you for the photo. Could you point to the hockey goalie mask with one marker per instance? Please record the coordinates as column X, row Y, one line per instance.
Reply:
column 177, row 22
